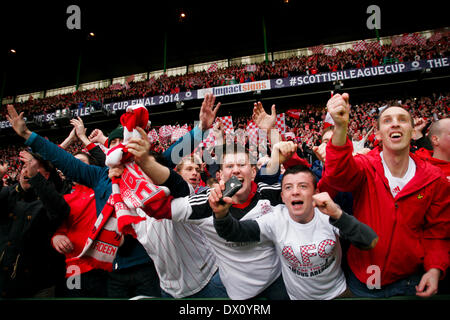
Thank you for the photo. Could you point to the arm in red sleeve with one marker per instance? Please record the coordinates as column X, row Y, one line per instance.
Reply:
column 342, row 171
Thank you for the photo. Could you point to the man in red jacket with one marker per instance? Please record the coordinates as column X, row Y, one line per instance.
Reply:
column 440, row 140
column 70, row 238
column 401, row 197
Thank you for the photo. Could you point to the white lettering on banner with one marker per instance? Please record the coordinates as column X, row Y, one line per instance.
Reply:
column 256, row 86
column 438, row 63
column 235, row 88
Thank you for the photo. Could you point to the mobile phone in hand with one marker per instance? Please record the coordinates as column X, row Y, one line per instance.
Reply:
column 231, row 187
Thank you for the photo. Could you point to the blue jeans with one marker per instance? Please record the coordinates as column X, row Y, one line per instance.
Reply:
column 404, row 287
column 214, row 289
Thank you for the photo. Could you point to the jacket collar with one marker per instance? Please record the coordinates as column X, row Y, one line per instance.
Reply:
column 425, row 173
column 254, row 188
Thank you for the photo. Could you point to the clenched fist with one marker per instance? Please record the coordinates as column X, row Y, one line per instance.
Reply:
column 339, row 108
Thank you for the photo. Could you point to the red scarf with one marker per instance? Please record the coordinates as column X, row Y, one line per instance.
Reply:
column 129, row 192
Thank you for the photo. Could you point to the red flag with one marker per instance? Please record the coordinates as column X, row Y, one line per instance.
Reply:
column 330, row 51
column 435, row 37
column 129, row 78
column 419, row 39
column 293, row 113
column 212, row 68
column 408, row 39
column 396, row 41
column 359, row 46
column 317, row 49
column 375, row 45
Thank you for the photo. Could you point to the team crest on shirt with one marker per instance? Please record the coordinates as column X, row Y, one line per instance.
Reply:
column 420, row 196
column 265, row 208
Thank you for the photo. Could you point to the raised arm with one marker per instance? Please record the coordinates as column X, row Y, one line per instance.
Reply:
column 187, row 143
column 159, row 174
column 93, row 149
column 97, row 136
column 358, row 233
column 342, row 171
column 80, row 131
column 339, row 108
column 71, row 138
column 266, row 122
column 281, row 152
column 17, row 122
column 73, row 168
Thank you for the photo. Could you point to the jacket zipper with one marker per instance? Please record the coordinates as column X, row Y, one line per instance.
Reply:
column 390, row 242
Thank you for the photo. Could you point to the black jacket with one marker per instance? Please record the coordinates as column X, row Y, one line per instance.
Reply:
column 28, row 219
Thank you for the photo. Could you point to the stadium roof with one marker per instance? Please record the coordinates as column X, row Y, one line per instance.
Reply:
column 129, row 35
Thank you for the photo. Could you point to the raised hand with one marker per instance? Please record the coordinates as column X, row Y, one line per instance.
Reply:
column 339, row 108
column 326, row 205
column 71, row 138
column 25, row 156
column 80, row 130
column 31, row 166
column 78, row 124
column 320, row 151
column 97, row 136
column 261, row 118
column 208, row 112
column 286, row 150
column 17, row 122
column 139, row 147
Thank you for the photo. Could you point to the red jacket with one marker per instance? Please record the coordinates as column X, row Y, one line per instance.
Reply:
column 428, row 156
column 413, row 227
column 79, row 223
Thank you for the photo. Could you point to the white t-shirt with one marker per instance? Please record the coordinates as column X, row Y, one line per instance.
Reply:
column 245, row 268
column 182, row 255
column 397, row 184
column 310, row 254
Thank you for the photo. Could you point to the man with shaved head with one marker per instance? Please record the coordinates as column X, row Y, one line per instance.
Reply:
column 439, row 136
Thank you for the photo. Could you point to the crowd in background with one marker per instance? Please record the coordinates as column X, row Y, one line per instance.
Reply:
column 293, row 66
column 138, row 262
column 306, row 129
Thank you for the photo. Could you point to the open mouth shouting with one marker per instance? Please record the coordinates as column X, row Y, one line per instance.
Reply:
column 396, row 136
column 297, row 204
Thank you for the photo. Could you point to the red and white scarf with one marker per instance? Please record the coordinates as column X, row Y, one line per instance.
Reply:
column 129, row 192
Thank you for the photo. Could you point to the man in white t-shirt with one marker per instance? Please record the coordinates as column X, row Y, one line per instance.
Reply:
column 247, row 269
column 305, row 231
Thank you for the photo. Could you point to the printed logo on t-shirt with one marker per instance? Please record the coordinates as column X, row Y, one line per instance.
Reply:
column 313, row 259
column 395, row 190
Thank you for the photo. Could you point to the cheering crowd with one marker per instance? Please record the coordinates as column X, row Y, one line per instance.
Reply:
column 297, row 65
column 353, row 203
column 351, row 200
column 305, row 126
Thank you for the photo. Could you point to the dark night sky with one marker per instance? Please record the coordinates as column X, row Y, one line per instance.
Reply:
column 130, row 34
